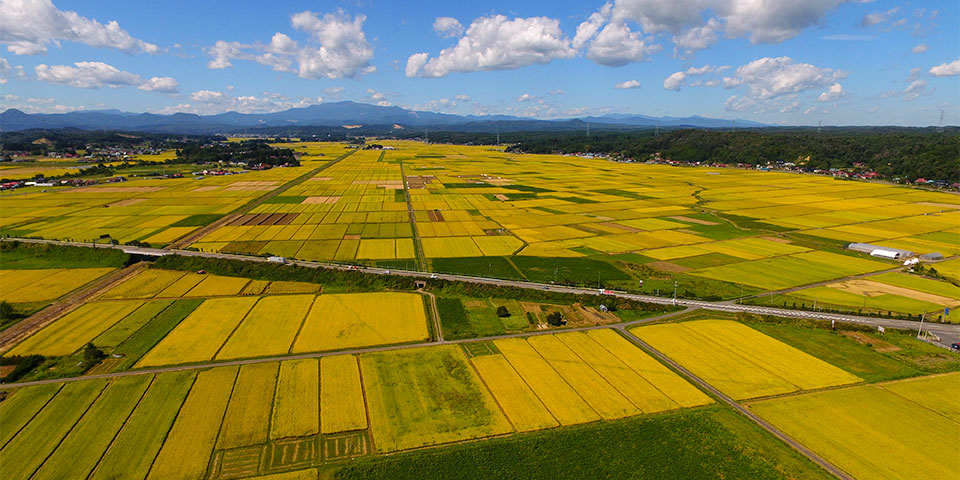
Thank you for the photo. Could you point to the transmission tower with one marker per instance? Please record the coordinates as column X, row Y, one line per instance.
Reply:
column 940, row 128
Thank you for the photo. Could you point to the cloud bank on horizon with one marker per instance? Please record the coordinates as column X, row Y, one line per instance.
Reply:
column 775, row 61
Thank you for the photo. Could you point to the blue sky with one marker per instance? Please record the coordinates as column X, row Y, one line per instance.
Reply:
column 778, row 61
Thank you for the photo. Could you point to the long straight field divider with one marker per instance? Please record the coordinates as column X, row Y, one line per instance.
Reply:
column 417, row 246
column 800, row 448
column 192, row 237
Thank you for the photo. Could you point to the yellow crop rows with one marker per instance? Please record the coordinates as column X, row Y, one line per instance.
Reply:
column 800, row 369
column 871, row 432
column 341, row 395
column 739, row 361
column 563, row 402
column 71, row 332
column 663, row 379
column 145, row 284
column 186, row 451
column 269, row 328
column 199, row 336
column 363, row 319
column 631, row 385
column 22, row 286
column 603, row 397
column 521, row 405
column 247, row 418
column 214, row 285
column 297, row 403
column 937, row 393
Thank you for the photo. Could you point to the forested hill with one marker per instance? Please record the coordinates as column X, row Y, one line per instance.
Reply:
column 905, row 153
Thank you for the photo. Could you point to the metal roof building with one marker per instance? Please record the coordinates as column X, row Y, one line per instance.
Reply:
column 881, row 251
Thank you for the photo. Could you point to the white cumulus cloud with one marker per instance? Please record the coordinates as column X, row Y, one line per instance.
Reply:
column 946, row 69
column 86, row 75
column 675, row 81
column 769, row 80
column 627, row 85
column 697, row 38
column 617, row 45
column 337, row 48
column 834, row 92
column 447, row 27
column 763, row 21
column 496, row 43
column 28, row 26
column 98, row 75
column 160, row 84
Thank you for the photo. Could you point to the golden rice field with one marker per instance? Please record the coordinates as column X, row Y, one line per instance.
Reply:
column 353, row 320
column 25, row 286
column 739, row 361
column 75, row 329
column 297, row 401
column 342, row 407
column 898, row 430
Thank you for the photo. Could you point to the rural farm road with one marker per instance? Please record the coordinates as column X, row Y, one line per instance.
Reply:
column 948, row 333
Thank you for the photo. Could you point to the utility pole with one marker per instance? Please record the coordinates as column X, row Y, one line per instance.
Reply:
column 674, row 292
column 921, row 325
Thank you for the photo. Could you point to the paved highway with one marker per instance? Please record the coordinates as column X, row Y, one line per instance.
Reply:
column 948, row 333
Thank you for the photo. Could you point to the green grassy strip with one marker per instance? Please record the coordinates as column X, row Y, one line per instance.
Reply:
column 198, row 220
column 144, row 339
column 20, row 255
column 122, row 330
column 21, row 457
column 80, row 451
column 453, row 319
column 693, row 444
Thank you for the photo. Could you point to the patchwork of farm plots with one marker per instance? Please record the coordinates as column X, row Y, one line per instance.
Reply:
column 40, row 285
column 156, row 211
column 154, row 319
column 900, row 430
column 468, row 201
column 740, row 361
column 355, row 209
column 259, row 418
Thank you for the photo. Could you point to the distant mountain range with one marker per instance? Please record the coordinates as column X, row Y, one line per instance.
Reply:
column 337, row 114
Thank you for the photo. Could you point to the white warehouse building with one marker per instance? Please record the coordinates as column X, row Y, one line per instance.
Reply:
column 880, row 251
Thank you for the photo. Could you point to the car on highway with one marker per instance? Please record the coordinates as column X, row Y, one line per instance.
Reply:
column 955, row 346
column 434, row 275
